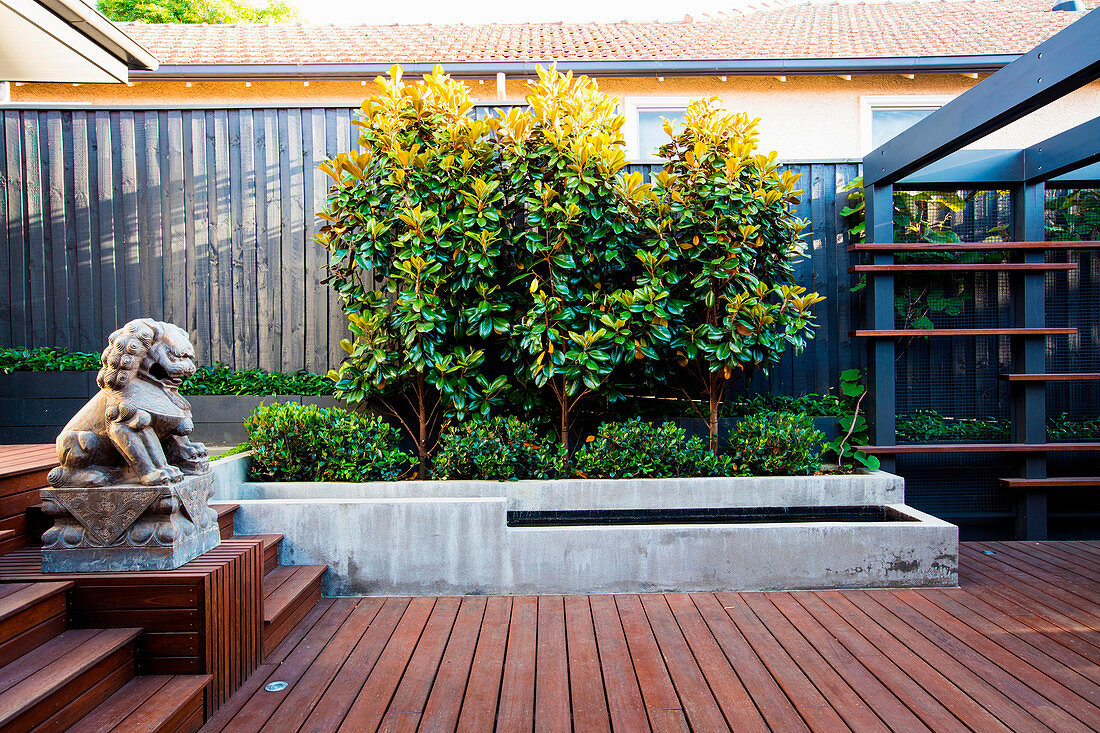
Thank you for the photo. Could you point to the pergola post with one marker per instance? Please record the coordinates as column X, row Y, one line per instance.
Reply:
column 879, row 227
column 1029, row 357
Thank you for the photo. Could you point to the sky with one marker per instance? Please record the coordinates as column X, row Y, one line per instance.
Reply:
column 503, row 11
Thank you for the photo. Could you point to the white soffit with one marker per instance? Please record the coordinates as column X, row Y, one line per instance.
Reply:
column 36, row 45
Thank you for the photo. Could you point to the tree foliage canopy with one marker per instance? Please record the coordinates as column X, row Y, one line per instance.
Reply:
column 197, row 11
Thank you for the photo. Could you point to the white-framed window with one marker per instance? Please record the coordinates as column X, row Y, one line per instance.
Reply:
column 644, row 127
column 884, row 116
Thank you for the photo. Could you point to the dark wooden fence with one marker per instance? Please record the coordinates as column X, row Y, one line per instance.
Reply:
column 205, row 217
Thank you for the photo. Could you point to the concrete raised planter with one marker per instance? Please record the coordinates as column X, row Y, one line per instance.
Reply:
column 439, row 537
column 34, row 407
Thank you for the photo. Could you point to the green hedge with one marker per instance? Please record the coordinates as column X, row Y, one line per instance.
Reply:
column 208, row 380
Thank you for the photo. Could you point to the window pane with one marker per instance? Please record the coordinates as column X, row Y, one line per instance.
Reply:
column 651, row 133
column 886, row 123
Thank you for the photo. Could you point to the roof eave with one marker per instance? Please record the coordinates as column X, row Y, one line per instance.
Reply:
column 93, row 24
column 483, row 69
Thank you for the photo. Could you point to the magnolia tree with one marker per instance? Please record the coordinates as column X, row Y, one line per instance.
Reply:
column 414, row 233
column 577, row 311
column 724, row 246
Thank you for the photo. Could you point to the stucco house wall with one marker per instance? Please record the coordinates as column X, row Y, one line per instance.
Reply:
column 804, row 117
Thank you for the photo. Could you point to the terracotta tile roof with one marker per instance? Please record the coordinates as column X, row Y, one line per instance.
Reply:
column 839, row 30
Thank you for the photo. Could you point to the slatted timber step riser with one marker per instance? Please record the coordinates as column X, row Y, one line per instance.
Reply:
column 30, row 615
column 62, row 680
column 204, row 617
column 1068, row 482
column 150, row 704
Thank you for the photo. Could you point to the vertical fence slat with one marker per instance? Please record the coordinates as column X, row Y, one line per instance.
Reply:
column 57, row 234
column 246, row 319
column 86, row 248
column 36, row 240
column 175, row 272
column 313, row 150
column 236, row 237
column 268, row 257
column 293, row 264
column 338, row 131
column 200, row 291
column 6, row 273
column 16, row 229
column 221, row 263
column 131, row 243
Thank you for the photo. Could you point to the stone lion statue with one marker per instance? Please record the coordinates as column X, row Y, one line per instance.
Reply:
column 135, row 428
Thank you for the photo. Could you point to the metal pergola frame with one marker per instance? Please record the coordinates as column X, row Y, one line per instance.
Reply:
column 930, row 155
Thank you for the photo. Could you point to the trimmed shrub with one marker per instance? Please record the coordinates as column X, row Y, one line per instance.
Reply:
column 635, row 449
column 500, row 449
column 293, row 442
column 776, row 444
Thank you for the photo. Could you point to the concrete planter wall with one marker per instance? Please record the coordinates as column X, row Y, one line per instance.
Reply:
column 34, row 407
column 438, row 537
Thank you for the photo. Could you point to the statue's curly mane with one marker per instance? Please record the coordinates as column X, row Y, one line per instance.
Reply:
column 126, row 350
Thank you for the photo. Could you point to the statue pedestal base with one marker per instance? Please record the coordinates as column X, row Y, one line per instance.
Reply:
column 129, row 526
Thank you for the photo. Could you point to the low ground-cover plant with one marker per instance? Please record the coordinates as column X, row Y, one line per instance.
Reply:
column 929, row 425
column 292, row 442
column 207, row 380
column 636, row 449
column 776, row 444
column 499, row 449
column 235, row 450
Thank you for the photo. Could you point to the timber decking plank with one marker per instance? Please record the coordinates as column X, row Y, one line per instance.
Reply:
column 516, row 710
column 1070, row 631
column 444, row 702
column 1050, row 658
column 1045, row 594
column 295, row 705
column 552, row 703
column 258, row 707
column 1034, row 563
column 374, row 698
column 808, row 701
column 696, row 697
column 624, row 696
column 661, row 701
column 880, row 699
column 588, row 702
column 132, row 696
column 408, row 702
column 962, row 676
column 840, row 695
column 729, row 691
column 1026, row 686
column 346, row 686
column 929, row 708
column 479, row 707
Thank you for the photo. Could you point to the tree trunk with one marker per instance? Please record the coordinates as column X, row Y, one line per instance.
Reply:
column 565, row 420
column 422, row 418
column 713, row 403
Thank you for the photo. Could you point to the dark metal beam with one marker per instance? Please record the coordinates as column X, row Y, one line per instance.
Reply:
column 1067, row 151
column 1064, row 62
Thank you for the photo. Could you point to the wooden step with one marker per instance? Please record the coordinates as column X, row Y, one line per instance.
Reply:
column 225, row 518
column 30, row 615
column 290, row 591
column 150, row 704
column 271, row 549
column 1062, row 482
column 61, row 681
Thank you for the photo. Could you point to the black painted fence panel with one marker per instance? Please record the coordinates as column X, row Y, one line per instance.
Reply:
column 205, row 217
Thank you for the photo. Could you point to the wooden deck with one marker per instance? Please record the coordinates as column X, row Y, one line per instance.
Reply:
column 1015, row 648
